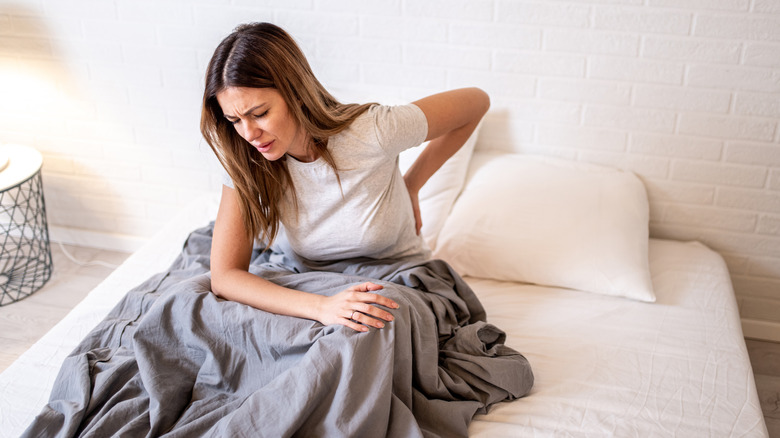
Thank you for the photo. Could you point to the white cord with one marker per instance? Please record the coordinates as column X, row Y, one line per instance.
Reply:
column 83, row 263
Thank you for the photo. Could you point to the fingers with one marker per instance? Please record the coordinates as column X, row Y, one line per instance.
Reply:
column 367, row 286
column 372, row 298
column 360, row 322
column 363, row 307
column 354, row 325
column 417, row 220
column 413, row 196
column 371, row 315
column 364, row 319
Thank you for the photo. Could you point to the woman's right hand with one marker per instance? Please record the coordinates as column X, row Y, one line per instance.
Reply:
column 356, row 308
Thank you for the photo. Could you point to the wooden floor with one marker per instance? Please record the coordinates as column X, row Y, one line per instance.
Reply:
column 24, row 322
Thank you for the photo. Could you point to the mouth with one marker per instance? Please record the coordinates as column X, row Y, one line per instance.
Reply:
column 264, row 147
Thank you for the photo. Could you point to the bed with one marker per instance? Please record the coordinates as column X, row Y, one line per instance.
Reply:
column 626, row 335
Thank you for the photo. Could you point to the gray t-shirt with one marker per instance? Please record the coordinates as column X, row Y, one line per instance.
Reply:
column 370, row 215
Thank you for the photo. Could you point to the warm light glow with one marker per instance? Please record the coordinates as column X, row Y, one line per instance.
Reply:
column 37, row 101
column 25, row 89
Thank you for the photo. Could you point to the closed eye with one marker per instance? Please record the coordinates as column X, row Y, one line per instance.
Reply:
column 260, row 116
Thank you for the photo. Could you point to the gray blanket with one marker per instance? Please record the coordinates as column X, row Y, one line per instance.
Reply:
column 174, row 360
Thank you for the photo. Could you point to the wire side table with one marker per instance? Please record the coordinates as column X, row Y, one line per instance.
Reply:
column 25, row 253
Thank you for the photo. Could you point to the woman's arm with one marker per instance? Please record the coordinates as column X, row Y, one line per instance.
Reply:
column 452, row 117
column 231, row 251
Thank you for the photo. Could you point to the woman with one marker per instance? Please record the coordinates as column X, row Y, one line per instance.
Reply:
column 323, row 171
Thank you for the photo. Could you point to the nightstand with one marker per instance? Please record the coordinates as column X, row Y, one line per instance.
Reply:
column 25, row 254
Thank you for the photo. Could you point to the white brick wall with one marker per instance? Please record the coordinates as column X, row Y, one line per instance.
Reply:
column 686, row 93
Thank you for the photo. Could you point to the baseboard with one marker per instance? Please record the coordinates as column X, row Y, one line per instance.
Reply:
column 96, row 239
column 764, row 330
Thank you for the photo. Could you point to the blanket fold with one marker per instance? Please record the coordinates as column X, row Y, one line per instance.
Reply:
column 172, row 359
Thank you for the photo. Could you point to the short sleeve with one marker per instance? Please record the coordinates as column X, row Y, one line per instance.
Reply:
column 400, row 127
column 226, row 180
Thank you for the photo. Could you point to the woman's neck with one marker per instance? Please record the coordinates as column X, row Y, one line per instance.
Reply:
column 307, row 153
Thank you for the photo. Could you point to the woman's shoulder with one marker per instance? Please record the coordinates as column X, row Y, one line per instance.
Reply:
column 381, row 112
column 396, row 112
column 384, row 121
column 392, row 128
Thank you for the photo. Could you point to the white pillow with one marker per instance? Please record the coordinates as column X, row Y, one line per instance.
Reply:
column 551, row 222
column 440, row 191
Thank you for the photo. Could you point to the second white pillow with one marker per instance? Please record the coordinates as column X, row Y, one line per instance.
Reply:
column 551, row 222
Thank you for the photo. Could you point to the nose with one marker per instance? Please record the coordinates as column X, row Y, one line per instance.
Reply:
column 250, row 131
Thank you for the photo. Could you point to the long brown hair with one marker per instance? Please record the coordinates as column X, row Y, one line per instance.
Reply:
column 262, row 55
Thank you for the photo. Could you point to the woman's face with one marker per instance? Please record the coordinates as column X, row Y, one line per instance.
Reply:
column 261, row 117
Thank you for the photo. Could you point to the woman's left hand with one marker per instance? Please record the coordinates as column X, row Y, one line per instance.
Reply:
column 415, row 208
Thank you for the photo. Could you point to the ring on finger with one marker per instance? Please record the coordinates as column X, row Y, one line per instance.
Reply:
column 352, row 317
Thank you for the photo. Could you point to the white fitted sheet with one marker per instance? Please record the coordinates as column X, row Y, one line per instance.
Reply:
column 607, row 366
column 604, row 366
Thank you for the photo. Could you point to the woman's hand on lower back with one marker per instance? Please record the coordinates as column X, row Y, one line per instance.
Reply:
column 357, row 308
column 414, row 197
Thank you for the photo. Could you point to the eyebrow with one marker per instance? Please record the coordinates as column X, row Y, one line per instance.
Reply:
column 247, row 112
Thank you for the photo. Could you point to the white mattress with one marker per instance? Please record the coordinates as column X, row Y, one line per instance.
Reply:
column 604, row 366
